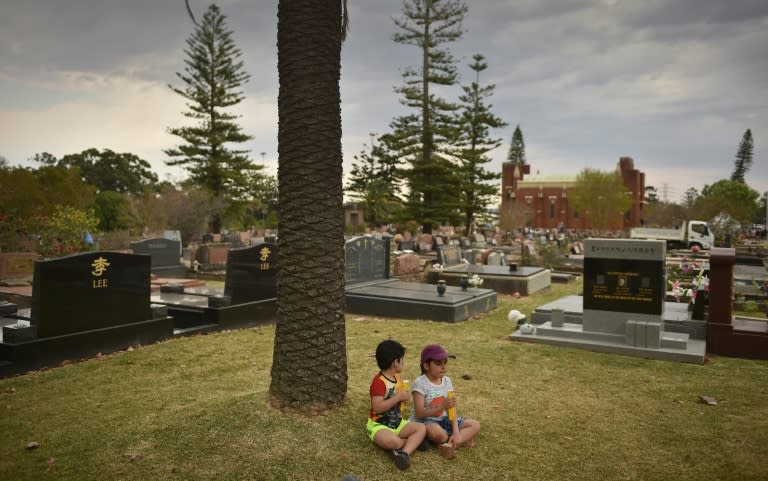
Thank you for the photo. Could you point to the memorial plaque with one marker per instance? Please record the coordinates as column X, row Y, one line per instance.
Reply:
column 251, row 273
column 624, row 276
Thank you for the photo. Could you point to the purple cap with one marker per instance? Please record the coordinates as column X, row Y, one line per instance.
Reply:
column 434, row 352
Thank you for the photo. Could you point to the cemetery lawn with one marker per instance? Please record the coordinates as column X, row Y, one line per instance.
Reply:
column 197, row 409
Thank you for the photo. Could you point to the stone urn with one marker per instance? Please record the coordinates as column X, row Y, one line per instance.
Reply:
column 464, row 283
column 441, row 288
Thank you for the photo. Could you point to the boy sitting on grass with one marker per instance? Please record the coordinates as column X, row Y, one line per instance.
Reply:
column 386, row 426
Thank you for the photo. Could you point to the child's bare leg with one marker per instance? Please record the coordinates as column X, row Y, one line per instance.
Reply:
column 388, row 440
column 413, row 434
column 436, row 434
column 468, row 432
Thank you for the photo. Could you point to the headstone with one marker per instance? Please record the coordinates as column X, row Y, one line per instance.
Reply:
column 425, row 243
column 407, row 245
column 623, row 280
column 233, row 239
column 90, row 291
column 83, row 304
column 366, row 259
column 449, row 256
column 406, row 265
column 163, row 252
column 251, row 273
column 174, row 235
column 495, row 259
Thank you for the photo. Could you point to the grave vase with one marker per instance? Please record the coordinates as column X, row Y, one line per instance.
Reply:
column 441, row 288
column 464, row 282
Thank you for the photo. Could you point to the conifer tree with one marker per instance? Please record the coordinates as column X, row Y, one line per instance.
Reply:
column 516, row 153
column 423, row 137
column 374, row 181
column 743, row 160
column 213, row 76
column 474, row 143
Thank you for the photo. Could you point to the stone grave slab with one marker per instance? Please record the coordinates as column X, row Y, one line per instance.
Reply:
column 623, row 310
column 81, row 305
column 370, row 291
column 505, row 279
column 249, row 296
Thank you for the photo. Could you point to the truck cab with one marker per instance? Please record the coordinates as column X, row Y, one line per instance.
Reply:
column 699, row 234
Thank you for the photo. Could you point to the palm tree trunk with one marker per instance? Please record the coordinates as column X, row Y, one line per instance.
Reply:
column 309, row 366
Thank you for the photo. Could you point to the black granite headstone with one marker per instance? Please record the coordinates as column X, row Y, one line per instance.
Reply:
column 366, row 259
column 251, row 273
column 164, row 252
column 89, row 291
column 624, row 285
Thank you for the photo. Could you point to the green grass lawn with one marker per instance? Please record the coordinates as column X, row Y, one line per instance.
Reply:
column 196, row 409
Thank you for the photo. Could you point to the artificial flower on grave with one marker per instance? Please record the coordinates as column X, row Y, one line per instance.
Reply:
column 678, row 291
column 700, row 283
column 437, row 267
column 475, row 280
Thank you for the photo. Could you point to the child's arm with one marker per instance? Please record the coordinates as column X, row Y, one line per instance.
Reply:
column 380, row 405
column 423, row 411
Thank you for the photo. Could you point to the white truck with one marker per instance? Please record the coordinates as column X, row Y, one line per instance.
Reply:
column 690, row 233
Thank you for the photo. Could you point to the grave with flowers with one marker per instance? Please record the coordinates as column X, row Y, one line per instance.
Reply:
column 491, row 269
column 624, row 309
column 370, row 290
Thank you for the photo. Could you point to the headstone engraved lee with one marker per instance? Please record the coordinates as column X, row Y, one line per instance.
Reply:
column 90, row 291
column 251, row 273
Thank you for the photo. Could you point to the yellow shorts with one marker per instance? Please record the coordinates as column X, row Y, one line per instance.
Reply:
column 373, row 427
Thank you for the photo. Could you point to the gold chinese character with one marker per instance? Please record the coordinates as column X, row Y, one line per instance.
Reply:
column 264, row 252
column 99, row 266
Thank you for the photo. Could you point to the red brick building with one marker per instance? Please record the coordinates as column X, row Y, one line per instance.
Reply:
column 541, row 201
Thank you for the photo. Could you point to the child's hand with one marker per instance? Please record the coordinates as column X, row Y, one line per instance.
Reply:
column 455, row 440
column 403, row 396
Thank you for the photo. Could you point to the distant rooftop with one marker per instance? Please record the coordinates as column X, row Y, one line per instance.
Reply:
column 548, row 179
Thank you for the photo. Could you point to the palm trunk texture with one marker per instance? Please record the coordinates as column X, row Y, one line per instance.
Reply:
column 309, row 365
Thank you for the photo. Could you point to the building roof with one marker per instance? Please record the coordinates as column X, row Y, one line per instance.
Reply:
column 536, row 180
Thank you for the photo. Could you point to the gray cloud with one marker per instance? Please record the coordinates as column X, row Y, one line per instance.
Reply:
column 672, row 83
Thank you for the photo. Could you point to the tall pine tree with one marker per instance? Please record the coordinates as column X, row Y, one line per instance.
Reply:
column 474, row 143
column 516, row 153
column 743, row 160
column 423, row 137
column 374, row 181
column 213, row 76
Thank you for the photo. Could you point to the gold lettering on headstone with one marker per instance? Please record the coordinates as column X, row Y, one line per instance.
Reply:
column 99, row 266
column 264, row 254
column 100, row 283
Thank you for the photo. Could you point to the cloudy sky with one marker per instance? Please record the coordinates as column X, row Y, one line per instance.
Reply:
column 673, row 84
